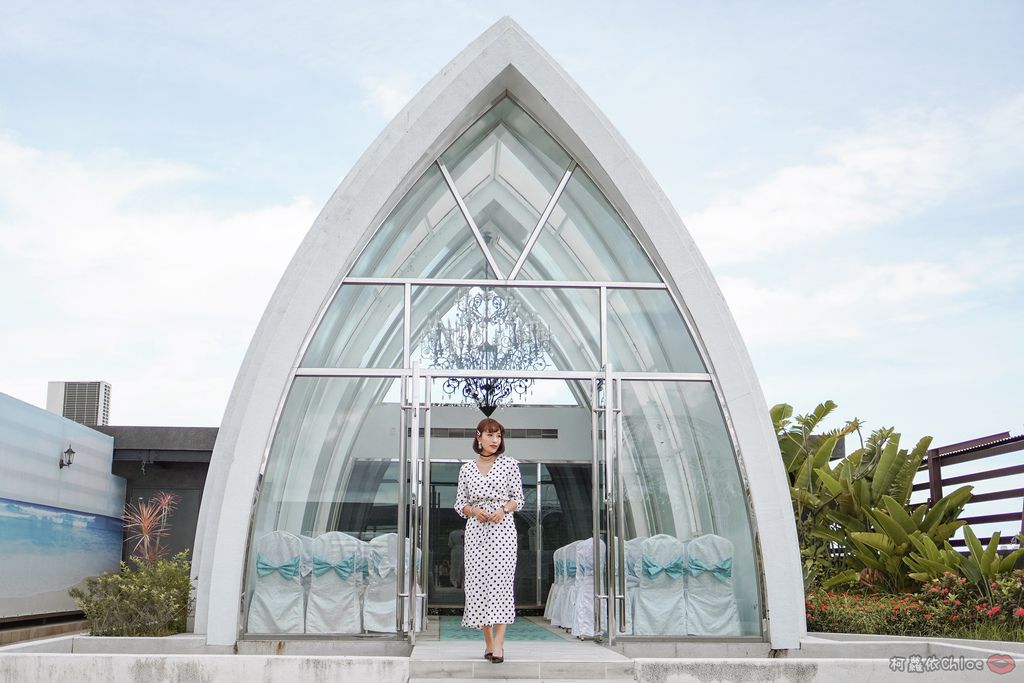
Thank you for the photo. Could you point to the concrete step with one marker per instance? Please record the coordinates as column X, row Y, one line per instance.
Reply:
column 523, row 661
column 518, row 680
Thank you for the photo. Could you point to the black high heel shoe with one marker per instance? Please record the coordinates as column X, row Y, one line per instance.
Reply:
column 488, row 655
column 497, row 660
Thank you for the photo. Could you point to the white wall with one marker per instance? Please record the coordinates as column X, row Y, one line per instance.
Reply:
column 57, row 526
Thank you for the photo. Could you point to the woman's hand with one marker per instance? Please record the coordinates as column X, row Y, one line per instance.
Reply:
column 481, row 515
column 497, row 515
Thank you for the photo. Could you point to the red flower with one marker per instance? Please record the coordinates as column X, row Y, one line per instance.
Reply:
column 927, row 616
column 995, row 610
column 1019, row 612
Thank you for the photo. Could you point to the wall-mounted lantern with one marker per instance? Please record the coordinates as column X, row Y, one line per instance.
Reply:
column 67, row 457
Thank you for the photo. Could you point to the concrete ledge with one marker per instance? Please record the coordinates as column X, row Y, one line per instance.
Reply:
column 189, row 668
column 846, row 670
column 993, row 645
column 181, row 644
column 324, row 648
column 58, row 645
column 17, row 635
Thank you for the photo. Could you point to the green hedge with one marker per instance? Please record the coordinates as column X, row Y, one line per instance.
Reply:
column 150, row 600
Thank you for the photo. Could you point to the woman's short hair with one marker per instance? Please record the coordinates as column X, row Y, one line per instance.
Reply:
column 489, row 424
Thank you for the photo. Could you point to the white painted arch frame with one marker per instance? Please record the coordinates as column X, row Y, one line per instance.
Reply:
column 503, row 59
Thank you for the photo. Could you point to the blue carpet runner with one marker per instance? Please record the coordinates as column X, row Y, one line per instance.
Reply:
column 522, row 629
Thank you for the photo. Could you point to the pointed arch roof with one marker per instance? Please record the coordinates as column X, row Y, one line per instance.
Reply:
column 503, row 60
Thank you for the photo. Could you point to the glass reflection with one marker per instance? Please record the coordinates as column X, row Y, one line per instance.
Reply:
column 689, row 554
column 324, row 541
column 585, row 239
column 424, row 236
column 506, row 167
column 646, row 333
column 362, row 328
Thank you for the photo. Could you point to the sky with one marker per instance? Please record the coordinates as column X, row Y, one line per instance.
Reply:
column 852, row 172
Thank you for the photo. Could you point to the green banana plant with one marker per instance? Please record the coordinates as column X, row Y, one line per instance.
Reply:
column 983, row 564
column 898, row 533
column 852, row 516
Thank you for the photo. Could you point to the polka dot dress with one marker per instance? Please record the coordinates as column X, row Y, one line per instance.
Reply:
column 490, row 549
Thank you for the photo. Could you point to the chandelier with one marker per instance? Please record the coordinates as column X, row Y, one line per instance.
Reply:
column 487, row 331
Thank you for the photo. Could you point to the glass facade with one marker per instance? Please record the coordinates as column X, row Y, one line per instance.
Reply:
column 616, row 423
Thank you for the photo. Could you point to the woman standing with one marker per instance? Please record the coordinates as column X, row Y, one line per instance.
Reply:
column 490, row 490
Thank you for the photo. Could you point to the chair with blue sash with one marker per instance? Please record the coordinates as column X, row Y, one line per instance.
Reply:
column 634, row 553
column 660, row 607
column 277, row 604
column 556, row 585
column 336, row 585
column 711, row 607
column 566, row 615
column 382, row 584
column 583, row 625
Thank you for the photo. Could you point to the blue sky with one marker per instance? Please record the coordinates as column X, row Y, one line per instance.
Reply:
column 851, row 171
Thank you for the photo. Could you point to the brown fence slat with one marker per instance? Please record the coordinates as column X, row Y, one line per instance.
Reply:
column 1001, row 449
column 986, row 519
column 961, row 543
column 997, row 495
column 981, row 476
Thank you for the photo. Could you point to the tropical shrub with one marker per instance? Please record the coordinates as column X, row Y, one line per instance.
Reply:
column 147, row 523
column 152, row 599
column 852, row 517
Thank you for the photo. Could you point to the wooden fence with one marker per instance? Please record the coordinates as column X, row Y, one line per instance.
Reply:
column 1010, row 515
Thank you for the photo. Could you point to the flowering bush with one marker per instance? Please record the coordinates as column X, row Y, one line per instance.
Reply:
column 949, row 606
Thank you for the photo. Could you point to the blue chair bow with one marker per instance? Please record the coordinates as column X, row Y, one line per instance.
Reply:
column 570, row 568
column 721, row 571
column 559, row 567
column 344, row 568
column 675, row 569
column 288, row 570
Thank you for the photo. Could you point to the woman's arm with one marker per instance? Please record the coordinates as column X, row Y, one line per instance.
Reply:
column 516, row 499
column 514, row 491
column 462, row 496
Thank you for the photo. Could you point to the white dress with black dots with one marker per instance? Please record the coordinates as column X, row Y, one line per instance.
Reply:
column 490, row 549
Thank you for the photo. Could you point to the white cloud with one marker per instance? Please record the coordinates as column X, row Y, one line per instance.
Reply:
column 159, row 301
column 901, row 164
column 855, row 301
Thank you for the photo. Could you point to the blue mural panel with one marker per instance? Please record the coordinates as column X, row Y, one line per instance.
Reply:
column 46, row 550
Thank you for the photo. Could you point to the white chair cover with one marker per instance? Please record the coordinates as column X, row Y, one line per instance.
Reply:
column 711, row 603
column 382, row 584
column 278, row 604
column 566, row 615
column 336, row 585
column 583, row 622
column 661, row 594
column 556, row 585
column 634, row 553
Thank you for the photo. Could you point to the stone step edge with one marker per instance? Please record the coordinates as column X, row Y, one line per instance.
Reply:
column 519, row 680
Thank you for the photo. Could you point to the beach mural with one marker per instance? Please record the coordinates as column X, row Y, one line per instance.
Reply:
column 47, row 550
